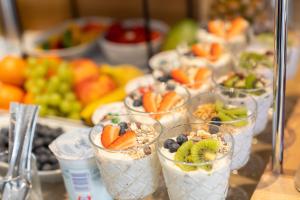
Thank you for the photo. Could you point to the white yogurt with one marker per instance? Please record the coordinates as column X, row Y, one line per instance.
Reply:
column 199, row 184
column 126, row 177
column 78, row 165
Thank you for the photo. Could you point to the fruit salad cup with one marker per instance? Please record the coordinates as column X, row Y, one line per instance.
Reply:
column 196, row 161
column 126, row 155
column 196, row 78
column 212, row 54
column 166, row 103
column 231, row 82
column 261, row 61
column 237, row 116
column 232, row 34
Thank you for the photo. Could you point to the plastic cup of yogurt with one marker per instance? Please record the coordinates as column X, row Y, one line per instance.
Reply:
column 196, row 160
column 230, row 81
column 78, row 165
column 166, row 103
column 126, row 156
column 235, row 115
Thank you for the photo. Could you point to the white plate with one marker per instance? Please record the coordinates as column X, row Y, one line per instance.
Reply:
column 31, row 40
column 51, row 176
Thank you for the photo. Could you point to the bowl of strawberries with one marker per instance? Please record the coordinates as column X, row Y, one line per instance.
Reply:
column 126, row 41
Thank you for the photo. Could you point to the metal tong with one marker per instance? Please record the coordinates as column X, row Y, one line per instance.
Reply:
column 18, row 180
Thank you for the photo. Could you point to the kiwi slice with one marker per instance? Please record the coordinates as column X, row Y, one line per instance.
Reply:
column 204, row 151
column 251, row 81
column 231, row 81
column 183, row 154
column 240, row 111
column 230, row 117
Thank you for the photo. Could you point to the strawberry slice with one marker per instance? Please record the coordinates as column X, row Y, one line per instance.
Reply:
column 124, row 142
column 238, row 26
column 179, row 76
column 217, row 27
column 215, row 51
column 109, row 134
column 200, row 76
column 169, row 100
column 198, row 51
column 145, row 89
column 149, row 102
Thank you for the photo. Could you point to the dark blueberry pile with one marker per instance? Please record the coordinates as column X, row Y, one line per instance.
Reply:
column 44, row 135
column 173, row 145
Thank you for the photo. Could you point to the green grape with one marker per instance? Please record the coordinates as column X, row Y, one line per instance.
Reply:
column 76, row 106
column 53, row 84
column 43, row 111
column 29, row 84
column 41, row 100
column 64, row 88
column 74, row 115
column 70, row 96
column 52, row 112
column 40, row 83
column 54, row 99
column 41, row 70
column 65, row 107
column 34, row 90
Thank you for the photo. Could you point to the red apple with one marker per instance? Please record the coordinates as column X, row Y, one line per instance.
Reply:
column 84, row 69
column 94, row 88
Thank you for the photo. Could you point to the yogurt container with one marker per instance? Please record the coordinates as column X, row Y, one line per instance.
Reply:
column 78, row 165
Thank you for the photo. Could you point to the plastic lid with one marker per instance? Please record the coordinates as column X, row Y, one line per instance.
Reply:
column 73, row 145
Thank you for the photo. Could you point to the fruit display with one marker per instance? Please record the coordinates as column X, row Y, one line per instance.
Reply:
column 119, row 33
column 50, row 81
column 44, row 135
column 74, row 35
column 184, row 31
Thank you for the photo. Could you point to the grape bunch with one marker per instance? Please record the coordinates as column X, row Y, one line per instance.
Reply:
column 50, row 82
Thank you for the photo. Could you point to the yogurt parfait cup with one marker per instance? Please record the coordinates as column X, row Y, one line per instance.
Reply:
column 166, row 104
column 231, row 82
column 212, row 54
column 232, row 34
column 126, row 156
column 196, row 78
column 237, row 116
column 196, row 160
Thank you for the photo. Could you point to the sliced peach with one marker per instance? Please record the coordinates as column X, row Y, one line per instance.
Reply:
column 215, row 51
column 179, row 76
column 217, row 27
column 238, row 25
column 149, row 102
column 199, row 51
column 201, row 76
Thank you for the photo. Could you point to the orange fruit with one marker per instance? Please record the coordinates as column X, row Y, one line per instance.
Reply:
column 9, row 93
column 28, row 98
column 12, row 70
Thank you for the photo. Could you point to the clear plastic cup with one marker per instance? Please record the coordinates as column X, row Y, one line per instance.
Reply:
column 263, row 96
column 242, row 129
column 35, row 192
column 167, row 118
column 198, row 184
column 129, row 174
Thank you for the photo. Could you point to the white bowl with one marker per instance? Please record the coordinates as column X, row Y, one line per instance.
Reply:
column 135, row 54
column 51, row 176
column 31, row 41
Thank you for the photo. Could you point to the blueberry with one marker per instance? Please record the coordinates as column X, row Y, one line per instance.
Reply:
column 216, row 121
column 123, row 127
column 38, row 142
column 181, row 139
column 168, row 142
column 213, row 129
column 173, row 147
column 170, row 86
column 137, row 102
column 163, row 79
